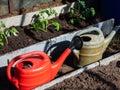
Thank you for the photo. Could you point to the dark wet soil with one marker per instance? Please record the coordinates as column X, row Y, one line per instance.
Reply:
column 37, row 7
column 99, row 78
column 27, row 36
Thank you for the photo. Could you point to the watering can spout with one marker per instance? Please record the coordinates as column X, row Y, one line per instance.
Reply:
column 56, row 65
column 108, row 39
column 110, row 36
column 34, row 68
column 76, row 43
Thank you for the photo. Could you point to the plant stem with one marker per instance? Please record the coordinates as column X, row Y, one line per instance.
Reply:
column 6, row 39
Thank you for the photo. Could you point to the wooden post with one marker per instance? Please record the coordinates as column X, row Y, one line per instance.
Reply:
column 10, row 6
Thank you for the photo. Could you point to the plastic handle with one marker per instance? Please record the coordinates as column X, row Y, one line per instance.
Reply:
column 76, row 43
column 14, row 80
column 90, row 30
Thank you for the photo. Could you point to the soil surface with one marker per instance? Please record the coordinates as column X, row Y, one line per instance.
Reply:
column 27, row 36
column 99, row 78
column 86, row 80
column 54, row 3
column 37, row 7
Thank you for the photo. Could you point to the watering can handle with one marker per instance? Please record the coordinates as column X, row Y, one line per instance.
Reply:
column 13, row 79
column 90, row 30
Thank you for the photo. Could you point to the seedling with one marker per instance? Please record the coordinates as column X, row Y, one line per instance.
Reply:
column 11, row 31
column 4, row 34
column 42, row 22
column 82, row 12
column 2, row 38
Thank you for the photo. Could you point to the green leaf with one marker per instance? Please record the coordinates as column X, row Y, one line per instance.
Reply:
column 2, row 25
column 14, row 31
column 79, row 1
column 41, row 15
column 7, row 33
column 46, row 22
column 56, row 14
column 71, row 21
column 83, row 4
column 42, row 22
column 1, row 43
column 53, row 12
column 41, row 12
column 87, row 13
column 42, row 25
column 92, row 11
column 48, row 12
column 11, row 31
column 2, row 37
column 36, row 26
column 57, row 26
column 72, row 11
column 82, row 17
column 82, row 12
column 1, row 34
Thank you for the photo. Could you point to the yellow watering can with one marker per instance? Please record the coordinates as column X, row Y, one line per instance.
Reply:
column 94, row 45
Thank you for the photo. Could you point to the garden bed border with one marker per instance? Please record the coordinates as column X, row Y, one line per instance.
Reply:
column 101, row 62
column 25, row 19
column 44, row 45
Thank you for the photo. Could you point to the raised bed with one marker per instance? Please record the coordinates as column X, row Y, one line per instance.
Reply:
column 23, row 20
column 45, row 46
column 103, row 75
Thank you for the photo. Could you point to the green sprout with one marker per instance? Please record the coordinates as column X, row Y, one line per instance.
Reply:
column 4, row 34
column 82, row 12
column 42, row 22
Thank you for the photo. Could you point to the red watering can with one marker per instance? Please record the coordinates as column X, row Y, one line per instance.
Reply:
column 34, row 68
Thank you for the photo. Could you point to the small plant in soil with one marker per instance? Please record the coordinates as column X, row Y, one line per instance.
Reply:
column 4, row 34
column 41, row 22
column 82, row 12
